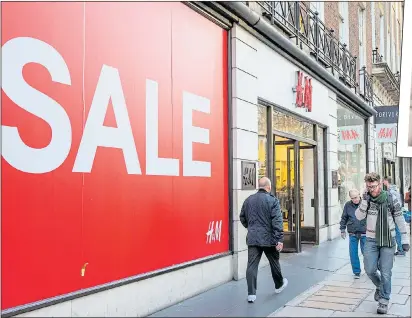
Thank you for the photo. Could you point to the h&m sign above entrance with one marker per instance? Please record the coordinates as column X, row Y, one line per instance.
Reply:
column 303, row 91
column 386, row 121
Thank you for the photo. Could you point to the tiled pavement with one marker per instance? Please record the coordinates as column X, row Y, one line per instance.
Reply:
column 340, row 295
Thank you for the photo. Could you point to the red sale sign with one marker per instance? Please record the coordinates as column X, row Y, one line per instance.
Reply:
column 114, row 143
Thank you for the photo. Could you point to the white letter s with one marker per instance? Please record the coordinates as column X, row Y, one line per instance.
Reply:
column 18, row 52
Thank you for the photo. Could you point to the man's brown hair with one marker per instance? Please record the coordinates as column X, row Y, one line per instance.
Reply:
column 372, row 177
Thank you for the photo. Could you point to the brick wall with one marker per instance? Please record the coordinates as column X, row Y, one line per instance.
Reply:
column 377, row 26
column 354, row 32
column 368, row 21
column 331, row 15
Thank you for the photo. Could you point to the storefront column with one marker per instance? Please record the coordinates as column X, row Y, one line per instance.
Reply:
column 244, row 133
column 371, row 145
column 332, row 141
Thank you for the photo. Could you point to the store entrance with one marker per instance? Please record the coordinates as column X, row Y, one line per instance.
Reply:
column 295, row 169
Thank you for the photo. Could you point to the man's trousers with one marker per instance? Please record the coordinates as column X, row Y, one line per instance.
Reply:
column 254, row 256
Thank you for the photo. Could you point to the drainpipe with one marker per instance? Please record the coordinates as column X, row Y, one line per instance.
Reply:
column 288, row 50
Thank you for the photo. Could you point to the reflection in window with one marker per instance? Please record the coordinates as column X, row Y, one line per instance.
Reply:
column 262, row 135
column 292, row 125
column 351, row 153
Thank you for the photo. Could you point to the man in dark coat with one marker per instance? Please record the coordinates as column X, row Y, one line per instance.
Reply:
column 356, row 230
column 262, row 217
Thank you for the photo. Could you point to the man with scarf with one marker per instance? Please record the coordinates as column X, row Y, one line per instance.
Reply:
column 382, row 211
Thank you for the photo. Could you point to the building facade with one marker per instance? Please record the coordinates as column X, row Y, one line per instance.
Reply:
column 145, row 213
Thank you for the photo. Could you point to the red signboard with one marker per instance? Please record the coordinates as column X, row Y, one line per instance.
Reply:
column 114, row 131
column 303, row 91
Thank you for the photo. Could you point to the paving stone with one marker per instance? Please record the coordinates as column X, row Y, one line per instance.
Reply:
column 401, row 269
column 297, row 300
column 347, row 289
column 356, row 314
column 397, row 289
column 401, row 282
column 400, row 275
column 324, row 305
column 329, row 293
column 301, row 312
column 395, row 298
column 367, row 306
column 336, row 283
column 400, row 310
column 336, row 300
column 364, row 285
column 405, row 291
column 341, row 278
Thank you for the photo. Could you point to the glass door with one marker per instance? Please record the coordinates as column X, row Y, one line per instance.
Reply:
column 294, row 186
column 287, row 189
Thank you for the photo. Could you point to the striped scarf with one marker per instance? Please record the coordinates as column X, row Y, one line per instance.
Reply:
column 383, row 233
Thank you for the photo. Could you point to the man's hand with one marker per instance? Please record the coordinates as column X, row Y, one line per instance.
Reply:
column 279, row 246
column 343, row 235
column 405, row 247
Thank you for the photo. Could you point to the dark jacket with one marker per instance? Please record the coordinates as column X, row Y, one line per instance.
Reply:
column 350, row 221
column 263, row 219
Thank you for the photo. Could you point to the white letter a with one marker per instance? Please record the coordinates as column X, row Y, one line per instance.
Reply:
column 96, row 135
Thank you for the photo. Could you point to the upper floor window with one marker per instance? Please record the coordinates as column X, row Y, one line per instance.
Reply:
column 318, row 7
column 382, row 35
column 362, row 50
column 343, row 22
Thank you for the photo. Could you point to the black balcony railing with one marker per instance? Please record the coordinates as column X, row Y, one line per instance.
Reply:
column 376, row 57
column 382, row 71
column 397, row 76
column 301, row 23
column 365, row 85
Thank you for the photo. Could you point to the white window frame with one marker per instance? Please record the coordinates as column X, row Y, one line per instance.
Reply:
column 343, row 23
column 319, row 7
column 373, row 25
column 381, row 50
column 362, row 37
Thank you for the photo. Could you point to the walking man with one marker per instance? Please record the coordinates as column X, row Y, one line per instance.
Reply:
column 262, row 217
column 382, row 211
column 392, row 189
column 356, row 230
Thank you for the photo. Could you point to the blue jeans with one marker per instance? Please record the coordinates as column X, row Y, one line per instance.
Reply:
column 354, row 251
column 375, row 257
column 398, row 240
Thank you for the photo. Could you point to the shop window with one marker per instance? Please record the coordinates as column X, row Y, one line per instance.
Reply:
column 351, row 153
column 262, row 135
column 288, row 124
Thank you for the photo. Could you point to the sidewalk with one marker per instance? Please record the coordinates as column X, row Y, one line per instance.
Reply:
column 315, row 276
column 342, row 296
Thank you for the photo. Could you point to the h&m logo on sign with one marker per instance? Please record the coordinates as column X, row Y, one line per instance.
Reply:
column 303, row 91
column 214, row 232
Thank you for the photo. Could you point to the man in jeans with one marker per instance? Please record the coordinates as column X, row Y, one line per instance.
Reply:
column 356, row 230
column 382, row 211
column 391, row 188
column 262, row 217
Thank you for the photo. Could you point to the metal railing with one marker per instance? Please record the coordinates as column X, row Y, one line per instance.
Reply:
column 365, row 85
column 302, row 24
column 378, row 58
